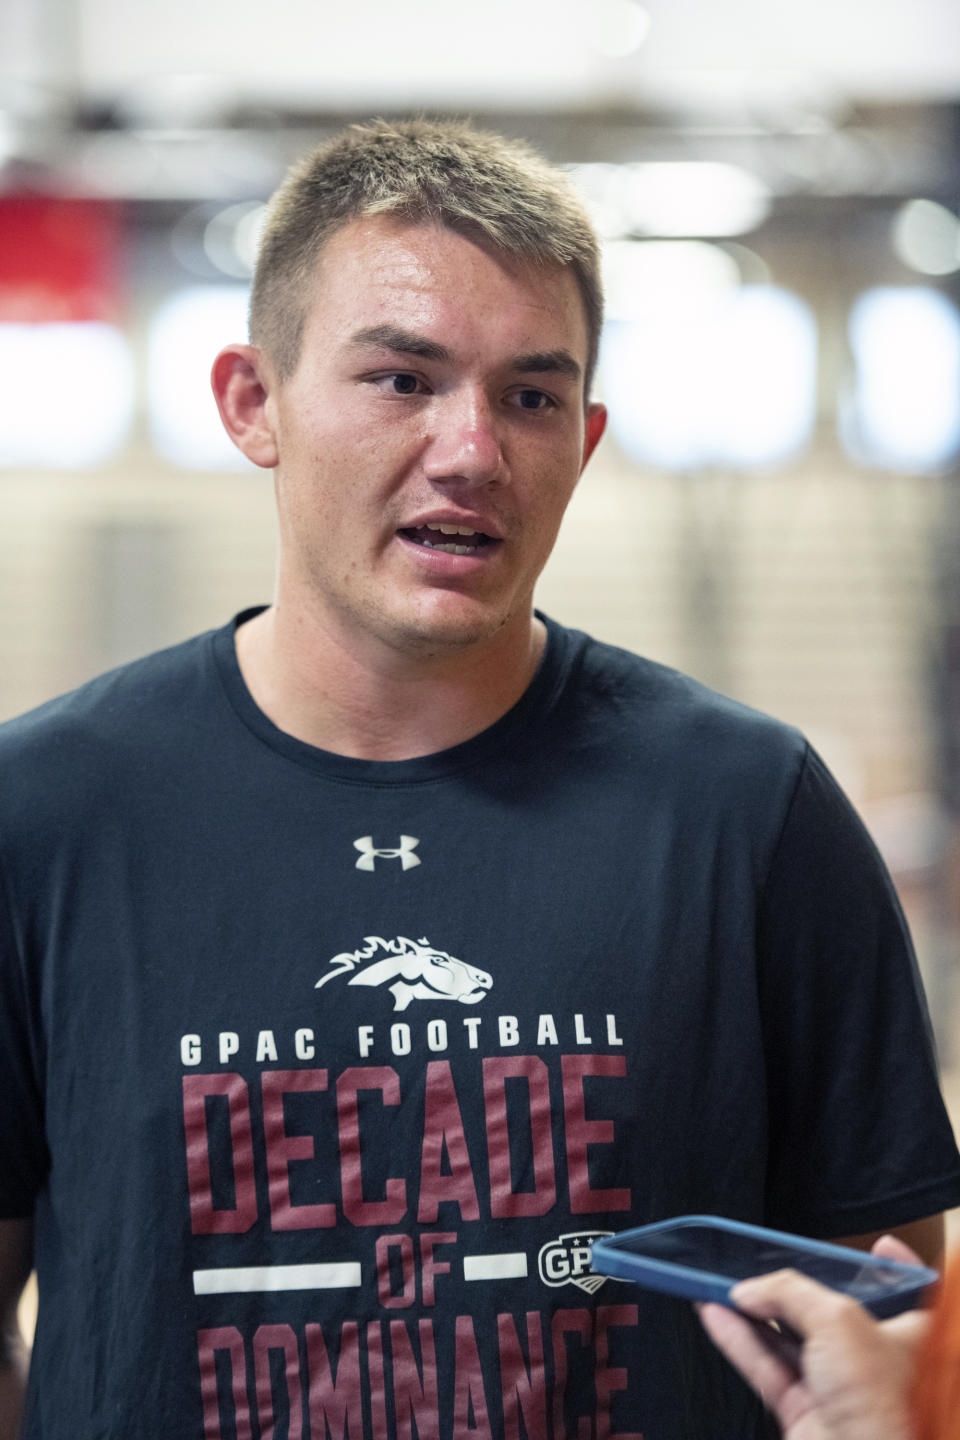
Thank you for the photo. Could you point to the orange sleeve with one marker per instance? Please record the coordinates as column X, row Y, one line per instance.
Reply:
column 936, row 1394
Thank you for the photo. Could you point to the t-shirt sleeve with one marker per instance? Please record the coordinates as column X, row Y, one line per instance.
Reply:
column 23, row 1150
column 859, row 1137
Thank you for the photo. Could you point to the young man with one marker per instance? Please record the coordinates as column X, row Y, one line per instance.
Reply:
column 362, row 961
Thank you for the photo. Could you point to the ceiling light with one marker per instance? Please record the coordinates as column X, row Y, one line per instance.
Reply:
column 701, row 197
column 618, row 27
column 186, row 331
column 642, row 278
column 232, row 237
column 729, row 380
column 904, row 413
column 672, row 198
column 926, row 237
column 81, row 373
column 599, row 189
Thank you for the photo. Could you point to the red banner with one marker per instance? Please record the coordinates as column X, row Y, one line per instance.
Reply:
column 60, row 259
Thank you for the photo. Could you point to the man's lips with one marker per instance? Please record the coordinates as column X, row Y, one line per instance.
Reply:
column 452, row 538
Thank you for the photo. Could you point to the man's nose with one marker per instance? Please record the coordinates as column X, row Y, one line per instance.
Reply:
column 464, row 443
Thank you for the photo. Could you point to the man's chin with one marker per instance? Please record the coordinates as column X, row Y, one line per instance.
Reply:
column 448, row 629
column 436, row 639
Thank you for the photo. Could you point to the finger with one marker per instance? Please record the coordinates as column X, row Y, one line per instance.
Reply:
column 804, row 1304
column 770, row 1372
column 888, row 1247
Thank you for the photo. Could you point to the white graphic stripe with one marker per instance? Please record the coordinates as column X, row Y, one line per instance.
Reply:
column 511, row 1265
column 343, row 1275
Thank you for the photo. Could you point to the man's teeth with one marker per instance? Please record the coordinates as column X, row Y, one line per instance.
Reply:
column 450, row 548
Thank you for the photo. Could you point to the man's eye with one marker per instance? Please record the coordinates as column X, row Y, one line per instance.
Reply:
column 403, row 384
column 533, row 400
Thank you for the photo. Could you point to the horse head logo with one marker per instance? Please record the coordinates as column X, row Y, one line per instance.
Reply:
column 411, row 970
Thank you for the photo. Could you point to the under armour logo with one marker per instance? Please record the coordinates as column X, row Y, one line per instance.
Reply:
column 402, row 852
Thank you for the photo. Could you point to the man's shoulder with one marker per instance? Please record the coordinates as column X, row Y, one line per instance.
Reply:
column 643, row 699
column 121, row 704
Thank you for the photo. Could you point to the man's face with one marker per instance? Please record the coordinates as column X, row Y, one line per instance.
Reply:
column 430, row 438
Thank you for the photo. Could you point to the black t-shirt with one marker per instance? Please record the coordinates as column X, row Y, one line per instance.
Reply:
column 320, row 1074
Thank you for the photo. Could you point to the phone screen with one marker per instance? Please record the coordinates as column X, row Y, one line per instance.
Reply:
column 737, row 1257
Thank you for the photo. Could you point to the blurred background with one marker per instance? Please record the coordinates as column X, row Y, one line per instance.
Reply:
column 776, row 509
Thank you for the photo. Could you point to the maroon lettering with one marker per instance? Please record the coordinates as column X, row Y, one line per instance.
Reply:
column 205, row 1219
column 470, row 1418
column 388, row 1295
column 505, row 1202
column 390, row 1210
column 228, row 1338
column 265, row 1339
column 443, row 1137
column 336, row 1408
column 582, row 1133
column 282, row 1148
column 415, row 1393
column 346, row 1390
column 524, row 1385
column 429, row 1266
column 609, row 1378
column 567, row 1322
column 378, row 1387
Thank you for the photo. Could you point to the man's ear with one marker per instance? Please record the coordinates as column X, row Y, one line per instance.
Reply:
column 240, row 380
column 594, row 428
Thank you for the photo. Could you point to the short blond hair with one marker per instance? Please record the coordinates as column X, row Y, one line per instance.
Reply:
column 484, row 186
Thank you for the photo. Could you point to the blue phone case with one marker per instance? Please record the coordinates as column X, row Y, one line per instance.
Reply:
column 685, row 1268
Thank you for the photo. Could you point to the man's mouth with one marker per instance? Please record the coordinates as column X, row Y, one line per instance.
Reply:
column 451, row 539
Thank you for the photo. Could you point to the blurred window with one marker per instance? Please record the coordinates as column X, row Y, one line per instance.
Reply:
column 67, row 394
column 904, row 413
column 187, row 330
column 728, row 381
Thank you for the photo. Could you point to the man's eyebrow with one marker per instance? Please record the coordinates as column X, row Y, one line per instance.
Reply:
column 557, row 362
column 402, row 342
column 406, row 342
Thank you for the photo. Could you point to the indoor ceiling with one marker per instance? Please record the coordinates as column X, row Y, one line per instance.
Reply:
column 183, row 99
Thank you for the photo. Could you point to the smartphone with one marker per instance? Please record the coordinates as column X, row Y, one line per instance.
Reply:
column 701, row 1257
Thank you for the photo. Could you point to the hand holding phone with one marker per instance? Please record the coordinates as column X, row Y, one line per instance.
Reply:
column 849, row 1376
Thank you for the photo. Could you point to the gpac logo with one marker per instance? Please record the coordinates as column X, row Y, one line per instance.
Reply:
column 566, row 1261
column 411, row 970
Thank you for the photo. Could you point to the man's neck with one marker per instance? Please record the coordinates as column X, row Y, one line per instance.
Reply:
column 380, row 705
